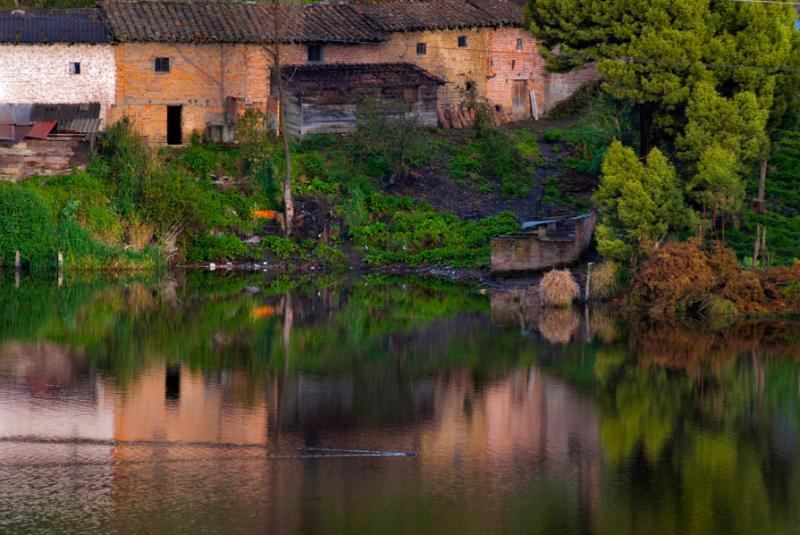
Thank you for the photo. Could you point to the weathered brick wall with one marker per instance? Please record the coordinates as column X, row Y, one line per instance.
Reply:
column 200, row 79
column 297, row 54
column 443, row 58
column 40, row 73
column 507, row 63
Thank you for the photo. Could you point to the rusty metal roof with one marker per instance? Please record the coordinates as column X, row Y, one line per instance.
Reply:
column 357, row 76
column 45, row 28
column 41, row 130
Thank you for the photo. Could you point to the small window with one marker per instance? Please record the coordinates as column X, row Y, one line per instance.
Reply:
column 75, row 68
column 162, row 65
column 314, row 52
column 519, row 43
column 422, row 49
column 470, row 86
column 410, row 94
column 462, row 41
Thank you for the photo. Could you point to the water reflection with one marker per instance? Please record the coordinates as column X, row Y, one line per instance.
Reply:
column 210, row 403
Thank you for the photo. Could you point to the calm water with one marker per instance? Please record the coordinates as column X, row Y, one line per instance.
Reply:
column 210, row 403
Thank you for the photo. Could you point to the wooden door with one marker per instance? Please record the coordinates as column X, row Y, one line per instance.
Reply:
column 519, row 97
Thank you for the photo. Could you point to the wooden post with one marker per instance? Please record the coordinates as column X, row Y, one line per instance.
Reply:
column 17, row 261
column 589, row 281
column 60, row 260
column 756, row 247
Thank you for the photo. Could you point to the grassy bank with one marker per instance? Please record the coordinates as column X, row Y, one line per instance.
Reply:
column 432, row 198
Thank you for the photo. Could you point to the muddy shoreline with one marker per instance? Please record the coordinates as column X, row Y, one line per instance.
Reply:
column 478, row 277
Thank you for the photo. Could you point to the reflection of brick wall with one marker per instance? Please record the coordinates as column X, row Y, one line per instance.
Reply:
column 201, row 78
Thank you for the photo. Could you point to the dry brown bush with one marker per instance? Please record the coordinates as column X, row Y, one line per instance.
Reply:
column 681, row 276
column 558, row 288
column 676, row 277
column 606, row 280
column 140, row 234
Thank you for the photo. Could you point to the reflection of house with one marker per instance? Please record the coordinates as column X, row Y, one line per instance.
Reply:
column 169, row 403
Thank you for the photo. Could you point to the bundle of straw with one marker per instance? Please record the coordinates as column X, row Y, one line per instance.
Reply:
column 558, row 288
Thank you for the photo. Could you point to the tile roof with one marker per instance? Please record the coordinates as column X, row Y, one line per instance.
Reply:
column 79, row 26
column 357, row 75
column 400, row 16
column 217, row 21
column 210, row 21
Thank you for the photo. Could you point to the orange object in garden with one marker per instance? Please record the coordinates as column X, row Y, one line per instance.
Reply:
column 265, row 214
column 263, row 312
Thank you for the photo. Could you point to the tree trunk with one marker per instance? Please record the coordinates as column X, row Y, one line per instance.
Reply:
column 288, row 201
column 645, row 129
column 762, row 186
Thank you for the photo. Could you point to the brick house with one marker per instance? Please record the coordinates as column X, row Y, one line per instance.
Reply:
column 184, row 67
column 56, row 58
column 175, row 67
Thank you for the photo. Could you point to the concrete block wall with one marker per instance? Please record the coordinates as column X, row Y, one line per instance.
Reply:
column 41, row 73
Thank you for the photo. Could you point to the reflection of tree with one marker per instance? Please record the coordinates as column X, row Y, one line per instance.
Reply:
column 689, row 427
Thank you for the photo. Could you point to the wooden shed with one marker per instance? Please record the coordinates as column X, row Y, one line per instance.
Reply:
column 323, row 98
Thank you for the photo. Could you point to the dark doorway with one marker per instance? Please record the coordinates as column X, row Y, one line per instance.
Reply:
column 174, row 132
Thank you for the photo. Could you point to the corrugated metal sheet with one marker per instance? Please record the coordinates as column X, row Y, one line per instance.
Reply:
column 6, row 132
column 34, row 28
column 15, row 113
column 80, row 126
column 64, row 112
column 41, row 130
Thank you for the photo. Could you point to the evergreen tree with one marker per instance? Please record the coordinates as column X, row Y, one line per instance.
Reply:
column 638, row 202
column 653, row 52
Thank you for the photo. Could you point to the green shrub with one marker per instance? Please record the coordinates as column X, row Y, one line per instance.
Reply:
column 329, row 255
column 223, row 246
column 27, row 226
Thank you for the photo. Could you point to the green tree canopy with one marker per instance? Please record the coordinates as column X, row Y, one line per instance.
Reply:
column 638, row 202
column 654, row 52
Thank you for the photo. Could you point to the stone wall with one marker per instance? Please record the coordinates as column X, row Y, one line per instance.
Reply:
column 41, row 73
column 557, row 244
column 44, row 157
column 201, row 78
column 560, row 86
